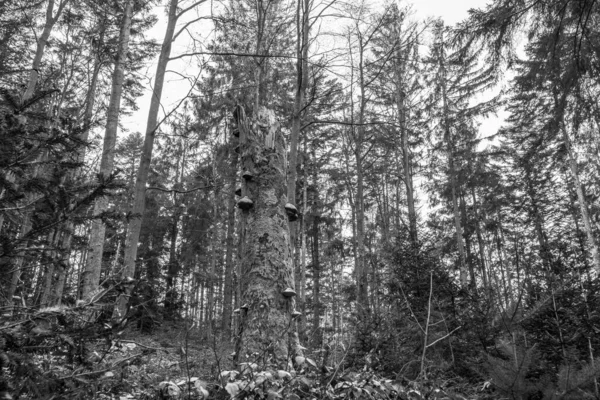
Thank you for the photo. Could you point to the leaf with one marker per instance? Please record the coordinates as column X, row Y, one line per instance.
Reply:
column 225, row 374
column 68, row 340
column 306, row 383
column 299, row 360
column 271, row 395
column 414, row 394
column 284, row 374
column 233, row 389
column 200, row 387
column 199, row 383
column 311, row 362
column 107, row 375
column 169, row 390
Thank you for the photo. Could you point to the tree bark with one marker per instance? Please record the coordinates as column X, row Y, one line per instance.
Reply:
column 212, row 274
column 139, row 200
column 266, row 263
column 302, row 31
column 448, row 138
column 91, row 275
column 316, row 266
column 229, row 252
column 362, row 275
column 583, row 205
column 41, row 46
column 480, row 242
column 404, row 138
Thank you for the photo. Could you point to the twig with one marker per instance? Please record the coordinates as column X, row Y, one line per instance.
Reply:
column 427, row 324
column 102, row 370
column 443, row 337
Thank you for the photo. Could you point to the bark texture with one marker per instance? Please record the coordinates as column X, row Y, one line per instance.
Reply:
column 91, row 275
column 266, row 260
column 139, row 201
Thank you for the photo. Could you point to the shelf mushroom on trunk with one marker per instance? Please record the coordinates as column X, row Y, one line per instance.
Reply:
column 291, row 211
column 245, row 203
column 265, row 334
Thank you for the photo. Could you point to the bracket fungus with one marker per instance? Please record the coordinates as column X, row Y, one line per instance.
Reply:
column 289, row 292
column 245, row 203
column 291, row 211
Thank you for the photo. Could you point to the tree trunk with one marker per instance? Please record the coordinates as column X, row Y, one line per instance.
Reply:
column 453, row 181
column 480, row 242
column 302, row 285
column 362, row 276
column 91, row 275
column 172, row 268
column 316, row 267
column 405, row 145
column 212, row 274
column 41, row 46
column 583, row 205
column 229, row 251
column 469, row 258
column 302, row 31
column 139, row 199
column 266, row 263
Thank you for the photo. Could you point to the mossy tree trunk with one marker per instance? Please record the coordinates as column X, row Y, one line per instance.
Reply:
column 266, row 321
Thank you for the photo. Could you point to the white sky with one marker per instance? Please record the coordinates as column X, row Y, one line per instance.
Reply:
column 176, row 88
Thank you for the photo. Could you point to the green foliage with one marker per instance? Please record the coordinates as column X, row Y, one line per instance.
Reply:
column 509, row 372
column 576, row 383
column 310, row 382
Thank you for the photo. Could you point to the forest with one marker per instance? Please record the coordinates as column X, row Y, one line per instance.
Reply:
column 299, row 199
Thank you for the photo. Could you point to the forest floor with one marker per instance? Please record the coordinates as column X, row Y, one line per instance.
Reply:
column 139, row 363
column 40, row 359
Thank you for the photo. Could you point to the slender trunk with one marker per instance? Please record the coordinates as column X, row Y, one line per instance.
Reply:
column 448, row 137
column 316, row 273
column 302, row 28
column 229, row 251
column 17, row 266
column 62, row 264
column 48, row 273
column 503, row 268
column 538, row 222
column 212, row 274
column 469, row 258
column 302, row 296
column 91, row 275
column 583, row 205
column 173, row 266
column 480, row 241
column 405, row 145
column 41, row 46
column 361, row 267
column 135, row 224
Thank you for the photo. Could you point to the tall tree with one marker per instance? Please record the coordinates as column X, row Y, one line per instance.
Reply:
column 91, row 275
column 133, row 232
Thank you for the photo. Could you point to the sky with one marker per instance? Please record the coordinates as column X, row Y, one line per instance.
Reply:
column 451, row 11
column 176, row 88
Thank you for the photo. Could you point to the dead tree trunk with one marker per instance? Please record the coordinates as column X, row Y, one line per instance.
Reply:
column 267, row 298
